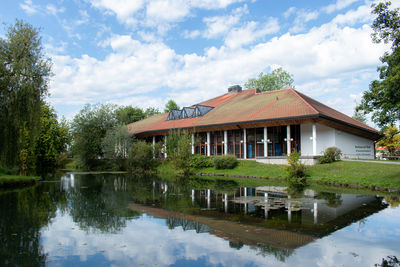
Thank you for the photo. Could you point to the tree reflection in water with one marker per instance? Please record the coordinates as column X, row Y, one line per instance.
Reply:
column 23, row 214
column 100, row 203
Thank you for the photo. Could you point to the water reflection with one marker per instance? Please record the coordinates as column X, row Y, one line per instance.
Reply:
column 123, row 220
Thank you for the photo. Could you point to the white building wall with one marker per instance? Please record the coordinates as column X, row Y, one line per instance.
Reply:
column 325, row 139
column 305, row 139
column 353, row 146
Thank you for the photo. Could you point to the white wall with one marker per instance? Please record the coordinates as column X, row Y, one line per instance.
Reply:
column 353, row 146
column 325, row 138
column 305, row 141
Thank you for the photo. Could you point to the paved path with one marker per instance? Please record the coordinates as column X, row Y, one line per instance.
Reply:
column 375, row 161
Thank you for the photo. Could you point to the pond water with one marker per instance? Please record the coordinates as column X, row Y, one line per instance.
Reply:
column 120, row 220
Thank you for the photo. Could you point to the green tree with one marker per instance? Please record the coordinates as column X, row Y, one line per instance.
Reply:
column 383, row 97
column 360, row 116
column 24, row 77
column 141, row 157
column 129, row 114
column 150, row 112
column 170, row 106
column 88, row 128
column 116, row 144
column 276, row 80
column 391, row 140
column 52, row 141
column 179, row 150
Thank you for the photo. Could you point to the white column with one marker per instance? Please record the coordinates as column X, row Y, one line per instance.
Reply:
column 225, row 142
column 192, row 197
column 244, row 144
column 192, row 143
column 265, row 142
column 208, row 198
column 266, row 205
column 245, row 202
column 208, row 144
column 314, row 139
column 226, row 202
column 315, row 212
column 288, row 143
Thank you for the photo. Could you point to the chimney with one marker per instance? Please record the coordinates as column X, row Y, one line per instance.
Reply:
column 234, row 89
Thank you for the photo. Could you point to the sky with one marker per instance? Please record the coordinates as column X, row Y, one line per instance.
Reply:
column 143, row 53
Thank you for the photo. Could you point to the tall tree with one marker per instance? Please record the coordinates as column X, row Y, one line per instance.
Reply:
column 277, row 79
column 116, row 144
column 89, row 127
column 179, row 150
column 150, row 112
column 170, row 106
column 24, row 78
column 383, row 97
column 52, row 141
column 129, row 114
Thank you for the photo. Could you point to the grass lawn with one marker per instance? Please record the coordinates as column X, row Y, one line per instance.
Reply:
column 348, row 172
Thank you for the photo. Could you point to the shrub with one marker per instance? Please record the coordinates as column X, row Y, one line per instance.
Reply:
column 225, row 162
column 201, row 161
column 331, row 154
column 141, row 157
column 296, row 169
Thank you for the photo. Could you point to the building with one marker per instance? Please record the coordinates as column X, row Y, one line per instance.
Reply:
column 265, row 126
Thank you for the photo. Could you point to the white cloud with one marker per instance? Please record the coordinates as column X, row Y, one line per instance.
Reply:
column 361, row 15
column 132, row 68
column 53, row 10
column 213, row 4
column 156, row 13
column 340, row 4
column 289, row 12
column 191, row 34
column 301, row 18
column 84, row 18
column 160, row 11
column 324, row 61
column 220, row 25
column 251, row 32
column 123, row 9
column 29, row 7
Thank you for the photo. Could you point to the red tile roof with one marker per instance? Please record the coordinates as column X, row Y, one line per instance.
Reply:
column 250, row 106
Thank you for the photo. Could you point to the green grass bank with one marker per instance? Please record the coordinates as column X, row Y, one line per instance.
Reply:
column 8, row 181
column 342, row 173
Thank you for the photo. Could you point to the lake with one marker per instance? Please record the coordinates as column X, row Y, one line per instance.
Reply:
column 125, row 220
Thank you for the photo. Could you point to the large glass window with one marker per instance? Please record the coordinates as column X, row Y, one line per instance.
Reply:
column 201, row 147
column 295, row 137
column 235, row 143
column 255, row 142
column 217, row 147
column 276, row 141
column 260, row 142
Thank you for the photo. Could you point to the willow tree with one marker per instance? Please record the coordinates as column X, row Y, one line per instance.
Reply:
column 24, row 78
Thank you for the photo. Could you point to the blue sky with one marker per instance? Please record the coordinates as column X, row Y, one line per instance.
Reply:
column 144, row 52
